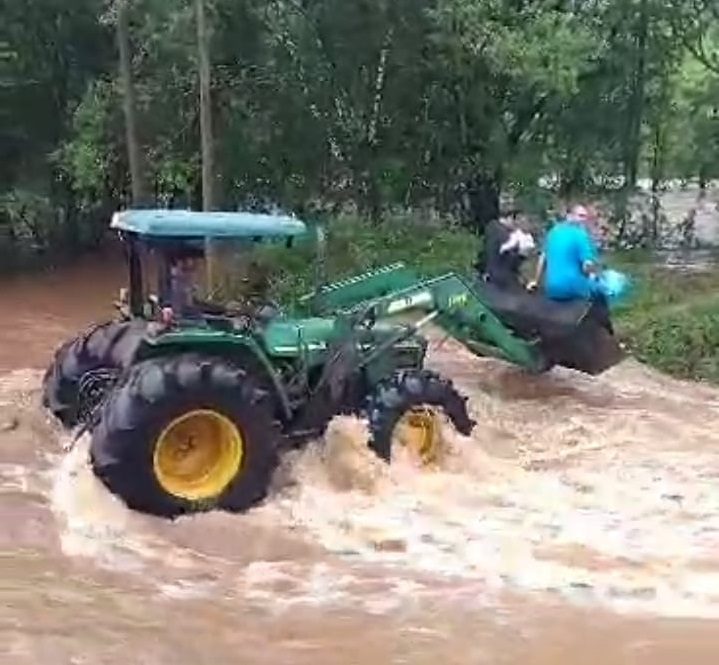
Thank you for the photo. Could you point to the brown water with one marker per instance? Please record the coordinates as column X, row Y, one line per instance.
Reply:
column 580, row 524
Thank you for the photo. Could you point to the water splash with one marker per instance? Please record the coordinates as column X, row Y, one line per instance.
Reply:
column 625, row 530
column 596, row 490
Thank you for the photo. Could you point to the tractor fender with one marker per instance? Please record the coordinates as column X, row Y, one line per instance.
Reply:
column 243, row 350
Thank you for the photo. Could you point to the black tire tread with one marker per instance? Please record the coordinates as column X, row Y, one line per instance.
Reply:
column 108, row 345
column 405, row 389
column 153, row 392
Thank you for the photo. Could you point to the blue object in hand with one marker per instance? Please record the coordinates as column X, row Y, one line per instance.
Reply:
column 615, row 285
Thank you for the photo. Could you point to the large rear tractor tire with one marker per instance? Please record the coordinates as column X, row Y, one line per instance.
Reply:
column 105, row 346
column 407, row 409
column 185, row 434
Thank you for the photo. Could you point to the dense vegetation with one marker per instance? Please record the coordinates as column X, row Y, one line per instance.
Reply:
column 326, row 105
column 673, row 321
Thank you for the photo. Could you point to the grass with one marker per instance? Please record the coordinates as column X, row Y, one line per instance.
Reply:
column 672, row 322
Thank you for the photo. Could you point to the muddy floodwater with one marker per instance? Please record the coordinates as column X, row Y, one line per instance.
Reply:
column 579, row 524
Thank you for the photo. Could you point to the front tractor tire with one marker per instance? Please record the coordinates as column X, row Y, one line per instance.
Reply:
column 408, row 407
column 186, row 434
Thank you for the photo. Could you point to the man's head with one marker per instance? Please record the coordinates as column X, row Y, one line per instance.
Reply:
column 508, row 215
column 585, row 216
column 185, row 264
column 184, row 258
column 579, row 214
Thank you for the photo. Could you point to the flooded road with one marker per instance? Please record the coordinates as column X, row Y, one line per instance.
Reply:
column 579, row 524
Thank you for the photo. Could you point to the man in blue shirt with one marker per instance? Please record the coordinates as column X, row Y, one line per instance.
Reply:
column 570, row 261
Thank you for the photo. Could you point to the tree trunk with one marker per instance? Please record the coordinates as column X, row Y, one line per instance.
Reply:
column 372, row 185
column 134, row 153
column 657, row 177
column 206, row 138
column 203, row 53
column 636, row 101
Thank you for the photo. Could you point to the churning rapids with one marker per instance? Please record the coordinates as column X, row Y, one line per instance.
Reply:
column 579, row 524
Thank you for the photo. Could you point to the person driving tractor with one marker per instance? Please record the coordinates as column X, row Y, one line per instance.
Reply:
column 181, row 295
column 183, row 298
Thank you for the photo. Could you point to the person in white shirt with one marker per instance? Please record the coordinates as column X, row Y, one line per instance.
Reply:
column 506, row 246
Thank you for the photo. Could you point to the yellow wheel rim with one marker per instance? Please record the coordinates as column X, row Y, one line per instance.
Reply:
column 198, row 454
column 419, row 431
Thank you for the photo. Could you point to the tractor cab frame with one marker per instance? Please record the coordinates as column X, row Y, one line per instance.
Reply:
column 171, row 236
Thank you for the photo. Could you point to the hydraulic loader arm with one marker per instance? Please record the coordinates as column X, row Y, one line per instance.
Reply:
column 461, row 312
column 347, row 293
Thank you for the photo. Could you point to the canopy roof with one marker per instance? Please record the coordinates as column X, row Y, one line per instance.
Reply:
column 187, row 224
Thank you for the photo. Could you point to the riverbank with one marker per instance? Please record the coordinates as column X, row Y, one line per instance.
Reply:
column 672, row 321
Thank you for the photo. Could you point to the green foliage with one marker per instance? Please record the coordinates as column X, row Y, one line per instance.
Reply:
column 26, row 214
column 683, row 343
column 368, row 106
column 89, row 165
column 354, row 245
column 693, row 123
column 673, row 322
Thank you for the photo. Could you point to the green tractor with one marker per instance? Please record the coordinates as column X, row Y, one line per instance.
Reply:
column 190, row 404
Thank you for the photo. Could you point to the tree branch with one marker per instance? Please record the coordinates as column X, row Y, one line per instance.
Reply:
column 379, row 87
